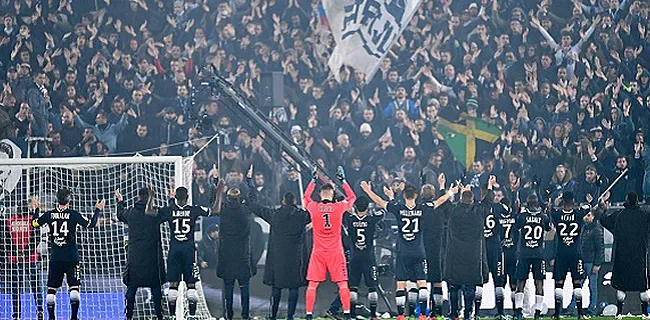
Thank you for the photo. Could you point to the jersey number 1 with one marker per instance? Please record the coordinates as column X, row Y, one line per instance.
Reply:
column 326, row 217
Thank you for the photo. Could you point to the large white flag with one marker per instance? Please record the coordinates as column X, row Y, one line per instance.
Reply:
column 9, row 175
column 365, row 30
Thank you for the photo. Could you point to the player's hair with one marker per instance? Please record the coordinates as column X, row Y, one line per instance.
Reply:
column 410, row 192
column 361, row 204
column 532, row 201
column 567, row 198
column 63, row 196
column 289, row 198
column 467, row 197
column 428, row 191
column 181, row 194
column 631, row 199
column 327, row 187
column 143, row 193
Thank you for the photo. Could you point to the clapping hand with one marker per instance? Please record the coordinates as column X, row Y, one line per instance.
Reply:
column 454, row 189
column 249, row 174
column 492, row 181
column 35, row 204
column 389, row 192
column 340, row 173
column 100, row 204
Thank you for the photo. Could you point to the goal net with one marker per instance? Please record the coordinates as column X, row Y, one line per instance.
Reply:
column 102, row 250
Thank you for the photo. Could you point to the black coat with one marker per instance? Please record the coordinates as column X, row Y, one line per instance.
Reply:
column 464, row 263
column 630, row 227
column 144, row 250
column 286, row 265
column 235, row 260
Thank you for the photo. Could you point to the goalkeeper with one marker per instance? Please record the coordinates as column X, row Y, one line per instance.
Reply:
column 145, row 267
column 20, row 241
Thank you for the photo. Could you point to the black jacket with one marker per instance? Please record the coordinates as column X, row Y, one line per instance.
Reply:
column 593, row 244
column 235, row 257
column 286, row 264
column 144, row 248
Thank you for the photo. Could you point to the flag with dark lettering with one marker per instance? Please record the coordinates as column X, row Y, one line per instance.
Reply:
column 365, row 30
column 9, row 175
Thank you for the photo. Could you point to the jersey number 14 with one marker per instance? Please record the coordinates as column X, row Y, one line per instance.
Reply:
column 60, row 228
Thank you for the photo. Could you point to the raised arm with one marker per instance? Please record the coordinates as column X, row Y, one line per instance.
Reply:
column 306, row 197
column 83, row 123
column 218, row 197
column 365, row 186
column 220, row 185
column 41, row 220
column 151, row 210
column 120, row 125
column 589, row 32
column 121, row 206
column 534, row 22
column 448, row 195
column 99, row 207
column 350, row 197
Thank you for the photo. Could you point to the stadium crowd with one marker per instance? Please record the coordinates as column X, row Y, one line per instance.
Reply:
column 567, row 82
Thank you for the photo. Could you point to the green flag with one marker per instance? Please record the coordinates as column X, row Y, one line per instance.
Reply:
column 462, row 137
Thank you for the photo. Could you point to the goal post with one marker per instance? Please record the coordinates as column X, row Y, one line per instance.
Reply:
column 102, row 250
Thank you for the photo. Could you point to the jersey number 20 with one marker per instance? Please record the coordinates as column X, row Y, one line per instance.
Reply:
column 533, row 233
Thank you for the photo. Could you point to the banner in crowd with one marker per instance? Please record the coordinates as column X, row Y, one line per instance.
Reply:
column 9, row 175
column 464, row 137
column 365, row 30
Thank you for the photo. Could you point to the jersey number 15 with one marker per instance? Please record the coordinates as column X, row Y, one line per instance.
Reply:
column 182, row 226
